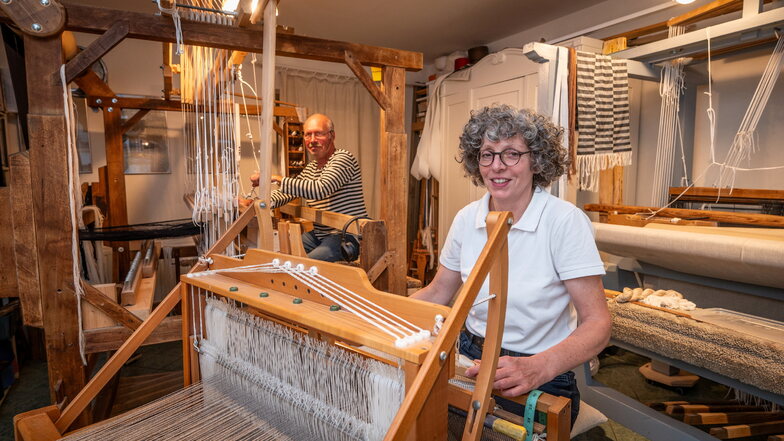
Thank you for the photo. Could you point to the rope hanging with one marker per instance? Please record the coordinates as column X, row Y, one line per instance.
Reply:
column 75, row 203
column 213, row 148
column 744, row 142
column 670, row 89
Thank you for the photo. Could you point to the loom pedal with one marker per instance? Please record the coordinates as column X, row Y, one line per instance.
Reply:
column 670, row 378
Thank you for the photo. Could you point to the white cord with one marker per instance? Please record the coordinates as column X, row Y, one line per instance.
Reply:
column 177, row 24
column 75, row 205
column 403, row 331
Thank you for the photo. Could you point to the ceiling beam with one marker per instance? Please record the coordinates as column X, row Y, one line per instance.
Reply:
column 146, row 103
column 96, row 20
column 367, row 81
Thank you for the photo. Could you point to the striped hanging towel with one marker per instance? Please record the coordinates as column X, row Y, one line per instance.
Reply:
column 602, row 117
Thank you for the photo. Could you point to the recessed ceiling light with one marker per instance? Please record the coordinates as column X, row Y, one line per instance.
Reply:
column 684, row 2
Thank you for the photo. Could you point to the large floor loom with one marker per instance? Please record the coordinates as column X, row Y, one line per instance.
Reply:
column 284, row 347
column 733, row 337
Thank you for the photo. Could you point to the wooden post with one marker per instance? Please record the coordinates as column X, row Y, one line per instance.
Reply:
column 187, row 334
column 611, row 186
column 115, row 175
column 49, row 177
column 263, row 214
column 9, row 285
column 394, row 180
column 24, row 240
column 429, row 424
column 374, row 246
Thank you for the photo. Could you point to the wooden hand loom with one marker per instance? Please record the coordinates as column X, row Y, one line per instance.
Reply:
column 428, row 366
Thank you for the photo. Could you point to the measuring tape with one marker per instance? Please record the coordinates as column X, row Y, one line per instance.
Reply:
column 530, row 413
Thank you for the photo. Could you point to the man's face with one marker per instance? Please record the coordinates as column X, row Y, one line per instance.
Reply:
column 319, row 140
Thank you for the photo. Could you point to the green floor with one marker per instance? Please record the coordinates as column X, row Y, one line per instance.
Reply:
column 618, row 369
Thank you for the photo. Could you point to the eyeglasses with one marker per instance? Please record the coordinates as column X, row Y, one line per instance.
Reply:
column 316, row 134
column 509, row 157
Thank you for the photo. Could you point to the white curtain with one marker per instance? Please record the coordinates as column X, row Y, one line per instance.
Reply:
column 352, row 109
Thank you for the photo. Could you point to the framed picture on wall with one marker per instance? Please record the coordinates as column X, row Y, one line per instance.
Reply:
column 145, row 145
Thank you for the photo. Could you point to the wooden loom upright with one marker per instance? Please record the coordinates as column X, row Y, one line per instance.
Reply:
column 427, row 367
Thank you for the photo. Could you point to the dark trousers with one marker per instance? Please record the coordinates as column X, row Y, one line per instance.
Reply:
column 563, row 385
column 328, row 248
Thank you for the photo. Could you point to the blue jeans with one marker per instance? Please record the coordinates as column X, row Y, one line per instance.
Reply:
column 563, row 385
column 328, row 248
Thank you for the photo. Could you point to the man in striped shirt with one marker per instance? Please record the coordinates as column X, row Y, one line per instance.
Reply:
column 331, row 181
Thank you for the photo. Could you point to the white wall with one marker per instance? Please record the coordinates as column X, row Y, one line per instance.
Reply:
column 735, row 79
column 585, row 20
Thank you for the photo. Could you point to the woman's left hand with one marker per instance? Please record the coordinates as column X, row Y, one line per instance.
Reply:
column 515, row 376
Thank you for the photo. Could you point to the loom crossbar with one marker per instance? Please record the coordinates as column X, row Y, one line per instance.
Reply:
column 314, row 311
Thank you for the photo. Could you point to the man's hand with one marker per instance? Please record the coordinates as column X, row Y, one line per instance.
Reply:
column 515, row 376
column 254, row 179
column 244, row 203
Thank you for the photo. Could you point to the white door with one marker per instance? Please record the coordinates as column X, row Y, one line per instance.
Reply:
column 456, row 190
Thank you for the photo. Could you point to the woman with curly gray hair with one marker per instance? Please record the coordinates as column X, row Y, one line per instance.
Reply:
column 555, row 270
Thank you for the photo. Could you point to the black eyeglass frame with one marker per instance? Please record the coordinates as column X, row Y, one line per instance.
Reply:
column 501, row 157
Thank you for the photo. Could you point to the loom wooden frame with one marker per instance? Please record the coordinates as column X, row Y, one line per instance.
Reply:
column 374, row 256
column 760, row 220
column 46, row 265
column 423, row 412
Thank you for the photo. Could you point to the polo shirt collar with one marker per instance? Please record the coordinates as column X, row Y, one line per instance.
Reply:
column 531, row 216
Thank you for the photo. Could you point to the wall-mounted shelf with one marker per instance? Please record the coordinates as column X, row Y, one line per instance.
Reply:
column 295, row 149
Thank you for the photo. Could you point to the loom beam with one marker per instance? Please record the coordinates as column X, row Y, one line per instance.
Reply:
column 760, row 220
column 313, row 313
column 97, row 49
column 721, row 35
column 143, row 26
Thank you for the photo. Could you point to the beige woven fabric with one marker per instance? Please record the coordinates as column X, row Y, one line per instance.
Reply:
column 750, row 360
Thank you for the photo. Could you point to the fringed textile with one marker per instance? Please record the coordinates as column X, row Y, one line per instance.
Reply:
column 602, row 117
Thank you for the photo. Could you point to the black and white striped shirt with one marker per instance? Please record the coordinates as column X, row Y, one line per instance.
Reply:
column 335, row 187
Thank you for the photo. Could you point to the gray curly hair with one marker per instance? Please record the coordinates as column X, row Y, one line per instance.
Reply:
column 549, row 158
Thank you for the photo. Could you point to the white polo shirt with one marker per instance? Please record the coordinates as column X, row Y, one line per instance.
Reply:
column 552, row 242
